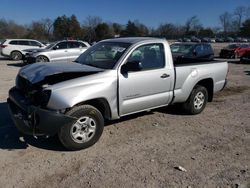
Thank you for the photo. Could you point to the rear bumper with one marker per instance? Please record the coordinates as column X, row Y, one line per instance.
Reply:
column 33, row 120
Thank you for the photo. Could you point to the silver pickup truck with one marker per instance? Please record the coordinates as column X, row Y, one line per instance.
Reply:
column 113, row 78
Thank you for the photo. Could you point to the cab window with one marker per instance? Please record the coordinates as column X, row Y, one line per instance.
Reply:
column 151, row 56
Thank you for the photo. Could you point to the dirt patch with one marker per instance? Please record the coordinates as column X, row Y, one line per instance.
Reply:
column 233, row 90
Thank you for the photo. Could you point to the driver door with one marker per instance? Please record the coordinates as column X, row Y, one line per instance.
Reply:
column 60, row 52
column 146, row 88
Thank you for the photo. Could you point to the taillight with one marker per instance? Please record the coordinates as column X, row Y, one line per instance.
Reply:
column 3, row 46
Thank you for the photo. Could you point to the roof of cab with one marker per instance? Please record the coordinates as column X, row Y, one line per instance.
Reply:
column 134, row 40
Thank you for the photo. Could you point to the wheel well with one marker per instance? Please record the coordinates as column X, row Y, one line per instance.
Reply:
column 16, row 51
column 101, row 104
column 209, row 85
column 43, row 56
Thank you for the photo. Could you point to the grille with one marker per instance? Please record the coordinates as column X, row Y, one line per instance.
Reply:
column 22, row 84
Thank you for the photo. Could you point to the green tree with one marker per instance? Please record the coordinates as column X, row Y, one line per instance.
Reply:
column 75, row 30
column 117, row 28
column 208, row 32
column 61, row 27
column 135, row 29
column 102, row 31
column 67, row 27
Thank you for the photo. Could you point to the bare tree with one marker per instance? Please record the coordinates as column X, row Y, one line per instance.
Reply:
column 48, row 26
column 240, row 13
column 89, row 25
column 226, row 20
column 192, row 24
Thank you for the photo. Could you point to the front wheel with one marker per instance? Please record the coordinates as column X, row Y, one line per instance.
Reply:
column 85, row 131
column 42, row 59
column 196, row 101
column 16, row 56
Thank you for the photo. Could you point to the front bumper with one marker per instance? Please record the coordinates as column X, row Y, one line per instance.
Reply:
column 33, row 120
column 29, row 59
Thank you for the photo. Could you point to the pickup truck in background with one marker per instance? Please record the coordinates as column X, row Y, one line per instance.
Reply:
column 112, row 79
column 191, row 52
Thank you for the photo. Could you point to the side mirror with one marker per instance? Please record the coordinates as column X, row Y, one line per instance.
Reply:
column 131, row 66
column 55, row 47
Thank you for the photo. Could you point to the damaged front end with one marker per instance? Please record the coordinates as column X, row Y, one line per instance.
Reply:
column 32, row 119
column 28, row 100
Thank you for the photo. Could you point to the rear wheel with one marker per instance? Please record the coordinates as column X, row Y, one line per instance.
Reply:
column 196, row 101
column 16, row 55
column 42, row 58
column 85, row 131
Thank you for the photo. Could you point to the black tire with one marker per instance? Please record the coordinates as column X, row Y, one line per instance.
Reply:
column 66, row 133
column 42, row 59
column 16, row 55
column 191, row 105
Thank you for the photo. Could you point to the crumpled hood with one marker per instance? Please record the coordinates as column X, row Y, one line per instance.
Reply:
column 37, row 72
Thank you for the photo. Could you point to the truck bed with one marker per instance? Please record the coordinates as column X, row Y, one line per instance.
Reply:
column 189, row 74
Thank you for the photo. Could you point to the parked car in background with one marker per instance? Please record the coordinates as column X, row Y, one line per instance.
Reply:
column 66, row 50
column 213, row 40
column 241, row 50
column 13, row 47
column 245, row 58
column 229, row 39
column 186, row 39
column 195, row 39
column 205, row 39
column 229, row 51
column 234, row 50
column 240, row 39
column 112, row 79
column 219, row 40
column 191, row 52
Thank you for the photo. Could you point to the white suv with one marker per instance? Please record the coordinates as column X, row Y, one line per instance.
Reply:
column 13, row 47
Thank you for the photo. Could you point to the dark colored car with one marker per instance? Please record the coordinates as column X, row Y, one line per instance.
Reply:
column 219, row 40
column 205, row 39
column 229, row 51
column 245, row 58
column 195, row 39
column 229, row 39
column 191, row 52
column 186, row 39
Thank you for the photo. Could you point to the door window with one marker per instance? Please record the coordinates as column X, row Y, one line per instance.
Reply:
column 23, row 42
column 62, row 45
column 151, row 56
column 199, row 49
column 34, row 43
column 73, row 45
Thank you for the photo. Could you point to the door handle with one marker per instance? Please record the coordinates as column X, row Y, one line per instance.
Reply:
column 165, row 75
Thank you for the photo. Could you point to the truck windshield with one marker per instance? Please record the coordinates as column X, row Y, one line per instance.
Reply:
column 181, row 48
column 103, row 55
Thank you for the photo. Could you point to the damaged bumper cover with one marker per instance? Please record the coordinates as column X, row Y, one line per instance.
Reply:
column 33, row 120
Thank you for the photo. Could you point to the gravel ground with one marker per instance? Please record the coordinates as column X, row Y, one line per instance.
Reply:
column 142, row 150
